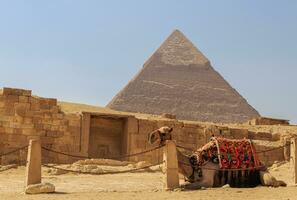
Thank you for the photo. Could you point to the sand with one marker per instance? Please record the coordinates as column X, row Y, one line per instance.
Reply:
column 141, row 185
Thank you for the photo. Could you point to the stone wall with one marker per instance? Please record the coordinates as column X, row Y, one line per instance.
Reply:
column 268, row 121
column 24, row 117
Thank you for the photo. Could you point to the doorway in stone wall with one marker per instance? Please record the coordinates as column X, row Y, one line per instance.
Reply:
column 106, row 136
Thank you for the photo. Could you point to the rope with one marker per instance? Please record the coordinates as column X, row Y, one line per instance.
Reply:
column 65, row 154
column 115, row 157
column 16, row 150
column 104, row 173
column 185, row 148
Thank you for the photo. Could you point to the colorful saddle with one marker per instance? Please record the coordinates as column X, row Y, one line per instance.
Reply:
column 230, row 154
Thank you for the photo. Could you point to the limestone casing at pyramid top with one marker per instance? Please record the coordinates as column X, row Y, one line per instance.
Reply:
column 178, row 50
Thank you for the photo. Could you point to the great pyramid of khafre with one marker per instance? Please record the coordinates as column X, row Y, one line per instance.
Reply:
column 178, row 79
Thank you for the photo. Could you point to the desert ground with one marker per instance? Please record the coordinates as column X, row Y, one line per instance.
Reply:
column 138, row 185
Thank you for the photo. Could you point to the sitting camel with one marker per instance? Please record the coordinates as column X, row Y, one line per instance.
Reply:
column 219, row 162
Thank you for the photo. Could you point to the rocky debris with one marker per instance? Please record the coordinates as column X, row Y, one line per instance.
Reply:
column 40, row 188
column 226, row 186
column 53, row 171
column 98, row 166
column 108, row 162
column 6, row 167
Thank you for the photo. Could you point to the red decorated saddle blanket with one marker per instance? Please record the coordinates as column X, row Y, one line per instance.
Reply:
column 230, row 154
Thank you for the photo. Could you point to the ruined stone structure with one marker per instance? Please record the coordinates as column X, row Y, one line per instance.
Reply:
column 178, row 79
column 268, row 121
column 24, row 117
column 102, row 135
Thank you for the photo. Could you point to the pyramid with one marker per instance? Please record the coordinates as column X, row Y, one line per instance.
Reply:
column 178, row 79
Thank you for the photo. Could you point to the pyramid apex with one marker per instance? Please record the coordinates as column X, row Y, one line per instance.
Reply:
column 177, row 49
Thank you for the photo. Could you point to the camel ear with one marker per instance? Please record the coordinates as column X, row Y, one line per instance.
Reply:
column 170, row 130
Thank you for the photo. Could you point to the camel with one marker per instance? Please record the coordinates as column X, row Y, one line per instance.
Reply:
column 208, row 167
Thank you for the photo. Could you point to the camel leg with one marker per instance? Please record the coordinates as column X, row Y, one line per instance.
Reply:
column 268, row 180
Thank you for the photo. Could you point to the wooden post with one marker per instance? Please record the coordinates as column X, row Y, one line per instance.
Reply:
column 171, row 180
column 33, row 168
column 293, row 160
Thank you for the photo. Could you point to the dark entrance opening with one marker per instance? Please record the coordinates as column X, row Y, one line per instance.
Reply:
column 106, row 136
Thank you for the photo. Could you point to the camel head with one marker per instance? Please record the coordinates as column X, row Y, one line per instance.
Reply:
column 160, row 135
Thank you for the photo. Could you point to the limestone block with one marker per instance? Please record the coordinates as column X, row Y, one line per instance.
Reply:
column 17, row 131
column 74, row 130
column 20, row 140
column 16, row 91
column 45, row 106
column 74, row 122
column 35, row 105
column 54, row 134
column 23, row 99
column 263, row 136
column 38, row 127
column 37, row 120
column 54, row 128
column 27, row 126
column 147, row 126
column 63, row 128
column 169, row 123
column 56, row 122
column 47, row 120
column 9, row 130
column 12, row 98
column 2, row 130
column 47, row 127
column 6, row 118
column 40, row 188
column 27, row 120
column 28, row 131
column 58, row 116
column 52, row 101
column 239, row 133
column 41, row 132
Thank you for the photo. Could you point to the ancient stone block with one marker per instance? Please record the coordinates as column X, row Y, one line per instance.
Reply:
column 147, row 126
column 12, row 98
column 239, row 133
column 58, row 116
column 52, row 101
column 28, row 131
column 27, row 120
column 21, row 109
column 56, row 122
column 23, row 99
column 15, row 91
column 54, row 133
column 9, row 130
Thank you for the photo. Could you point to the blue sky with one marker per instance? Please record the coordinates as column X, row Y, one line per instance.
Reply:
column 86, row 50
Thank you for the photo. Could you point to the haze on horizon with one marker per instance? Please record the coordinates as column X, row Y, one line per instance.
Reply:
column 86, row 51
